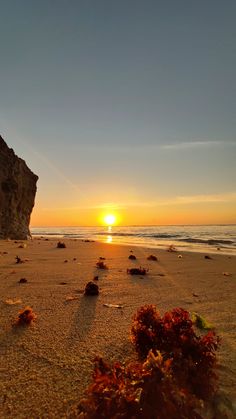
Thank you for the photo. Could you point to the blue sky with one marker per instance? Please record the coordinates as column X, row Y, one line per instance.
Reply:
column 121, row 101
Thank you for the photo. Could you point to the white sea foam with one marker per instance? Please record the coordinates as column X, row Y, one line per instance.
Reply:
column 209, row 238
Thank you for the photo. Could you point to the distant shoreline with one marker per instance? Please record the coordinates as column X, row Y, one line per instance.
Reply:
column 212, row 239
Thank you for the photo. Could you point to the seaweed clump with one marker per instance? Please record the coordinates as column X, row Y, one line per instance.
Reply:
column 138, row 390
column 137, row 271
column 173, row 378
column 18, row 260
column 91, row 289
column 171, row 248
column 152, row 257
column 25, row 317
column 23, row 281
column 61, row 245
column 101, row 265
column 192, row 356
column 132, row 257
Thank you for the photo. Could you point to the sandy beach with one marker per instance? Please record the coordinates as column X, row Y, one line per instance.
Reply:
column 46, row 367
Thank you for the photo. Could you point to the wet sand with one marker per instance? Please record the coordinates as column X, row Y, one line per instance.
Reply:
column 44, row 368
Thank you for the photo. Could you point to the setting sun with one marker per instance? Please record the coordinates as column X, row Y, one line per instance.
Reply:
column 110, row 219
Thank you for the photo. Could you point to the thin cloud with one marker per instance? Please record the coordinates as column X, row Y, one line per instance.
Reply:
column 178, row 200
column 227, row 197
column 195, row 144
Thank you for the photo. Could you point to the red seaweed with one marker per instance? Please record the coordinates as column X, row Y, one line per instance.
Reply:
column 101, row 265
column 25, row 317
column 137, row 271
column 152, row 257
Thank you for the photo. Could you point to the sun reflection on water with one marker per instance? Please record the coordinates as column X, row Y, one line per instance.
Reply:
column 109, row 239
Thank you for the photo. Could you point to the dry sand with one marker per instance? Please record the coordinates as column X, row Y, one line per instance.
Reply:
column 45, row 367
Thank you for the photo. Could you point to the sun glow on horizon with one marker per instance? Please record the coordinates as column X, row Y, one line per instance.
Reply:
column 109, row 219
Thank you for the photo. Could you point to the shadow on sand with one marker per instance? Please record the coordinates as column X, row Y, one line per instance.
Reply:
column 10, row 337
column 83, row 319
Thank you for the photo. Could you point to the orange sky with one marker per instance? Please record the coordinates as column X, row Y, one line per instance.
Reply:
column 173, row 213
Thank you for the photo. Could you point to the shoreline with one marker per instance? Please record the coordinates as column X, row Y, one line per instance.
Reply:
column 158, row 247
column 48, row 365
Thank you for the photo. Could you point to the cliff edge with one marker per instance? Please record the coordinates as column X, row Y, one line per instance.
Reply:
column 17, row 194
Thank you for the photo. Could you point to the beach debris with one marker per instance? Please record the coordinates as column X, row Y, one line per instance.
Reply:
column 113, row 305
column 152, row 257
column 161, row 274
column 62, row 283
column 195, row 295
column 61, row 245
column 19, row 260
column 88, row 241
column 137, row 271
column 25, row 317
column 22, row 246
column 23, row 281
column 74, row 259
column 218, row 248
column 200, row 322
column 95, row 278
column 11, row 302
column 101, row 265
column 101, row 258
column 65, row 261
column 91, row 289
column 172, row 378
column 207, row 257
column 132, row 257
column 131, row 251
column 226, row 274
column 180, row 256
column 171, row 248
column 72, row 297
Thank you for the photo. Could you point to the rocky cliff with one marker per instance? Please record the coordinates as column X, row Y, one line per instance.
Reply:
column 17, row 194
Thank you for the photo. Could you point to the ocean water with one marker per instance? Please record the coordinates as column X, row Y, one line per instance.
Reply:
column 211, row 238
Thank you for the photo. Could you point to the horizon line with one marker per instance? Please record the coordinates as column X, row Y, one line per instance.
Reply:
column 136, row 225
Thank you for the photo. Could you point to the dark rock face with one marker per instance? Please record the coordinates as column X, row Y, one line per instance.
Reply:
column 17, row 194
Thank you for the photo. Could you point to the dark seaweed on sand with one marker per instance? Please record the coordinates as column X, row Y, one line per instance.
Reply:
column 23, row 281
column 61, row 245
column 91, row 289
column 137, row 271
column 173, row 376
column 25, row 317
column 152, row 257
column 101, row 265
